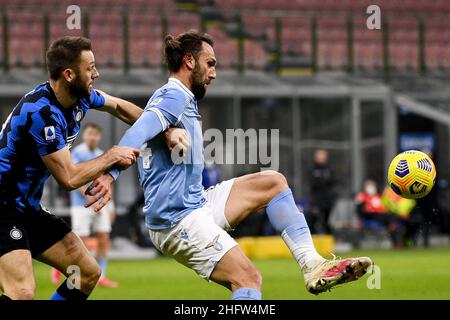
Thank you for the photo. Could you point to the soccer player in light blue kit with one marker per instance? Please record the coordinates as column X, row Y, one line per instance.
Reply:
column 189, row 223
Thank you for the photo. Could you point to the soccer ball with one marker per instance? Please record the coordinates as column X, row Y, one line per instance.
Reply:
column 412, row 174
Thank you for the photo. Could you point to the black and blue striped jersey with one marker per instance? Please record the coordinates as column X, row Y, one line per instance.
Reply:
column 37, row 126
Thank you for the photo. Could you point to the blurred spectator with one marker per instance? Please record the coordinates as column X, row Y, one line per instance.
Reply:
column 322, row 195
column 426, row 212
column 401, row 208
column 211, row 174
column 443, row 202
column 371, row 210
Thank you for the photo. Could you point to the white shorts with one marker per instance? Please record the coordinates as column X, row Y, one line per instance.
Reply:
column 85, row 220
column 200, row 240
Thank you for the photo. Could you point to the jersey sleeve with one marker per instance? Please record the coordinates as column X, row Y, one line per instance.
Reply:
column 169, row 107
column 47, row 131
column 144, row 129
column 96, row 100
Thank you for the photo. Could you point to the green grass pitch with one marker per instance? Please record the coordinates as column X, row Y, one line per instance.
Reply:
column 405, row 274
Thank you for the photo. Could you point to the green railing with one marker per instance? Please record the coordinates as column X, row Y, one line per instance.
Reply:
column 241, row 37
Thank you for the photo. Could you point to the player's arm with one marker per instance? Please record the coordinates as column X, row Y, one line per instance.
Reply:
column 145, row 128
column 48, row 131
column 156, row 119
column 73, row 176
column 129, row 112
column 122, row 109
column 77, row 157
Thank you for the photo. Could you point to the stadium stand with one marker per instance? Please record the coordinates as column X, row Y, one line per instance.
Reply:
column 1, row 44
column 328, row 42
column 26, row 32
column 58, row 26
column 106, row 34
column 145, row 39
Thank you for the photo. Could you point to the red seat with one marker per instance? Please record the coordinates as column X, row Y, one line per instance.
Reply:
column 1, row 43
column 183, row 22
column 255, row 56
column 106, row 35
column 218, row 34
column 368, row 55
column 403, row 56
column 26, row 34
column 258, row 26
column 146, row 52
column 332, row 56
column 26, row 52
column 145, row 39
column 296, row 35
column 58, row 26
column 226, row 53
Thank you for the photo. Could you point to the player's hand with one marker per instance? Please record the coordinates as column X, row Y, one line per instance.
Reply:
column 99, row 192
column 177, row 138
column 124, row 156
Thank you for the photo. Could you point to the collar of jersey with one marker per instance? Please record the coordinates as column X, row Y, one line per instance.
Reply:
column 55, row 100
column 182, row 86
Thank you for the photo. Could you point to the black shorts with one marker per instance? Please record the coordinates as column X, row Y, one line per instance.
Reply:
column 35, row 231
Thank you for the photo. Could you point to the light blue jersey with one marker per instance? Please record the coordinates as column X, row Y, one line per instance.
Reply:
column 81, row 153
column 172, row 189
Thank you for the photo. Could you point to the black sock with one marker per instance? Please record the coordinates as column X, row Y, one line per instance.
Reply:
column 70, row 294
column 4, row 298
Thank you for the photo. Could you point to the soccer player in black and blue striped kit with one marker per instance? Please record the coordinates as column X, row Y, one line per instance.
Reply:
column 34, row 143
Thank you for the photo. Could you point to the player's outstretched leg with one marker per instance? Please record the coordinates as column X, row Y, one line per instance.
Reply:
column 69, row 255
column 270, row 189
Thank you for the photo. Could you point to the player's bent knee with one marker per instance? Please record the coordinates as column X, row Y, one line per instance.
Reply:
column 94, row 275
column 247, row 277
column 90, row 274
column 277, row 182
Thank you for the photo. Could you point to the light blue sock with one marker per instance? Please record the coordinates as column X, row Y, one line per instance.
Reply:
column 286, row 218
column 246, row 294
column 57, row 296
column 103, row 263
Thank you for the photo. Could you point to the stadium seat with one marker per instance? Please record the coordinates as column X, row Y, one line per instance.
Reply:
column 332, row 56
column 107, row 38
column 1, row 43
column 26, row 34
column 368, row 56
column 227, row 54
column 217, row 33
column 58, row 27
column 183, row 22
column 296, row 35
column 259, row 21
column 329, row 26
column 258, row 26
column 255, row 56
column 145, row 39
